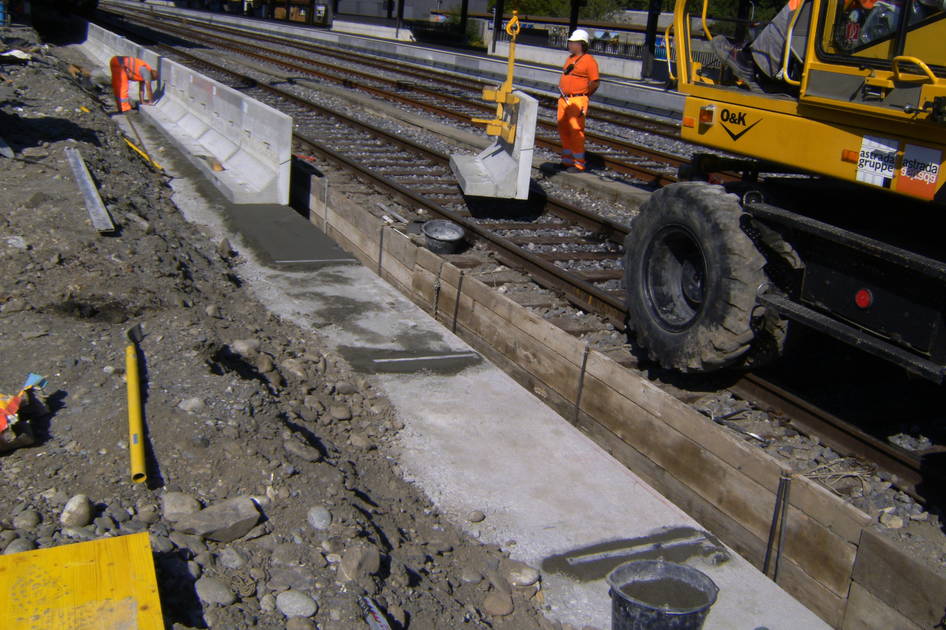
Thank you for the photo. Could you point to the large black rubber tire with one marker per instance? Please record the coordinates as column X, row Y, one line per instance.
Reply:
column 692, row 276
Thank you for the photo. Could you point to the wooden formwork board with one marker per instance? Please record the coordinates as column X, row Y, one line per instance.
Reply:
column 793, row 579
column 842, row 519
column 108, row 584
column 718, row 479
column 867, row 612
column 901, row 582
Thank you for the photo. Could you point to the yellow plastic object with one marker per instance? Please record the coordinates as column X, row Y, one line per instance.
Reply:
column 142, row 154
column 106, row 584
column 503, row 95
column 136, row 443
column 898, row 76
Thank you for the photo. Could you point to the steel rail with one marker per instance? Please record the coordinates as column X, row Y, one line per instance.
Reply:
column 625, row 119
column 840, row 435
column 649, row 175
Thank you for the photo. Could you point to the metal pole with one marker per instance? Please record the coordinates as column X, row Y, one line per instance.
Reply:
column 497, row 22
column 573, row 16
column 464, row 10
column 650, row 36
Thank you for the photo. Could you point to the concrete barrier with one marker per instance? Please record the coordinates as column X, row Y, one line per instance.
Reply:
column 101, row 45
column 242, row 145
column 502, row 169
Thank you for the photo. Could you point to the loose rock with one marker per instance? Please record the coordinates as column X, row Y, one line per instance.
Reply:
column 176, row 505
column 498, row 604
column 213, row 591
column 27, row 519
column 296, row 604
column 77, row 513
column 319, row 517
column 359, row 562
column 224, row 522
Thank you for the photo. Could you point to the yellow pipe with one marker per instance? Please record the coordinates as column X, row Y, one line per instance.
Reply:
column 136, row 442
column 142, row 154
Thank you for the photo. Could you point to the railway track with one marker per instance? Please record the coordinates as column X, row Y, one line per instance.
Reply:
column 449, row 99
column 560, row 246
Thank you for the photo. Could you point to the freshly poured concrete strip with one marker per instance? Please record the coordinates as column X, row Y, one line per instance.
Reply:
column 475, row 440
column 502, row 169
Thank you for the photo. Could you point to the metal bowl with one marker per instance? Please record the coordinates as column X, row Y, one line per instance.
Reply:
column 444, row 237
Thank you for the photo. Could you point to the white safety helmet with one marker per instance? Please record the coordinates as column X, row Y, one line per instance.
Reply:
column 580, row 35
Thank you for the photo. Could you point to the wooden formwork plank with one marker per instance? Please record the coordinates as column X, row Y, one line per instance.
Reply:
column 360, row 218
column 521, row 376
column 841, row 518
column 864, row 611
column 364, row 245
column 532, row 355
column 447, row 305
column 792, row 578
column 906, row 585
column 428, row 260
column 451, row 274
column 399, row 245
column 423, row 290
column 820, row 553
column 401, row 277
column 532, row 325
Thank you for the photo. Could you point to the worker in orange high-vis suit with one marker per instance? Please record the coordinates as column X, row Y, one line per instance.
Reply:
column 131, row 68
column 578, row 82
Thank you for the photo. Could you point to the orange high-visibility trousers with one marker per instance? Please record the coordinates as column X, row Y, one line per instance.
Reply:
column 571, row 129
column 123, row 69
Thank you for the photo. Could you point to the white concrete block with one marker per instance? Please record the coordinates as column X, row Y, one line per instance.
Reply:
column 212, row 123
column 502, row 169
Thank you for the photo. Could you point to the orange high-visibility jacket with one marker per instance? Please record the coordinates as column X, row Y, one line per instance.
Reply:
column 123, row 69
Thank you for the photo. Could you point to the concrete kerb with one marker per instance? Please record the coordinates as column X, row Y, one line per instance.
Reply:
column 502, row 169
column 243, row 146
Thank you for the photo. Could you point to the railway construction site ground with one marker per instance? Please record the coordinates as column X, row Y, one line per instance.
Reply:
column 228, row 382
column 235, row 399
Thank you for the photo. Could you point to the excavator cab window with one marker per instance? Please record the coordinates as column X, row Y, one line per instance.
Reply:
column 877, row 30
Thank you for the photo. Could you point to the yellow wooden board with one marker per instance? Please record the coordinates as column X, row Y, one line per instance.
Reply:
column 106, row 584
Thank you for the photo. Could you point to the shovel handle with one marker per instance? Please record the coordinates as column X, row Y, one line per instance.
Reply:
column 136, row 444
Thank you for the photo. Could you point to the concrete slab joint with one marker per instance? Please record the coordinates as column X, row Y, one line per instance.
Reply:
column 243, row 146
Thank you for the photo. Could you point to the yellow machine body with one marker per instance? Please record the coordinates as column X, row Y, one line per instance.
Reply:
column 862, row 109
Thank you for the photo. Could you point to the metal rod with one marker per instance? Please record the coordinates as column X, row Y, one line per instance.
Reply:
column 773, row 527
column 782, row 525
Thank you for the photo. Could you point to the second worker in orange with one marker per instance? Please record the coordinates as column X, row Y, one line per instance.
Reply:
column 578, row 82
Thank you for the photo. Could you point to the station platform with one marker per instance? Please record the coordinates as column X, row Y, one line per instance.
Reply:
column 474, row 439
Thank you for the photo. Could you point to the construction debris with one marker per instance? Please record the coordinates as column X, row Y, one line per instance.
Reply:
column 17, row 410
column 101, row 221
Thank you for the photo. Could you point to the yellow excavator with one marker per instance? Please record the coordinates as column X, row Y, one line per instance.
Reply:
column 820, row 199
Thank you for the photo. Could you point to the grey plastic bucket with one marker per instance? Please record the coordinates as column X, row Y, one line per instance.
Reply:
column 444, row 237
column 659, row 595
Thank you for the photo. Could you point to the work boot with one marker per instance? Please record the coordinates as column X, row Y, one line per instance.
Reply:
column 735, row 58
